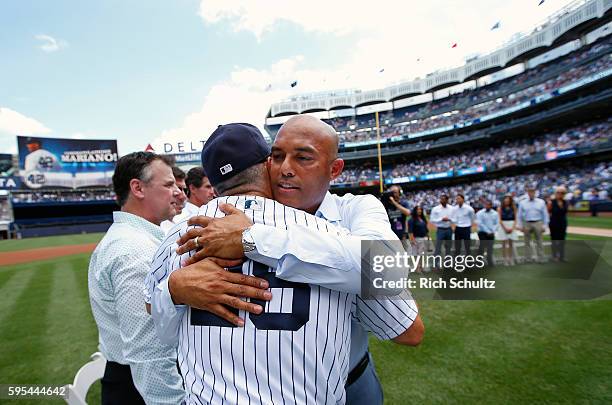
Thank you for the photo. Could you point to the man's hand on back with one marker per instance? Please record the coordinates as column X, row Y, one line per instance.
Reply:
column 206, row 285
column 218, row 237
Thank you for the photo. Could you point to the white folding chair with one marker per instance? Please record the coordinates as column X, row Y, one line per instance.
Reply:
column 84, row 378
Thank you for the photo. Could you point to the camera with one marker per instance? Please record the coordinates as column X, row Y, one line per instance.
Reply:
column 385, row 198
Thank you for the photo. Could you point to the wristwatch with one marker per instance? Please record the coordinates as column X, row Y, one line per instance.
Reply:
column 248, row 243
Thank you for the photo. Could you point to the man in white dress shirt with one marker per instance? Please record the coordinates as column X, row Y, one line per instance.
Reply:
column 199, row 191
column 298, row 160
column 463, row 217
column 303, row 162
column 441, row 218
column 196, row 189
column 532, row 220
column 179, row 177
column 488, row 221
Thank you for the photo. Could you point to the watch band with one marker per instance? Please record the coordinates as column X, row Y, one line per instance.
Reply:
column 248, row 243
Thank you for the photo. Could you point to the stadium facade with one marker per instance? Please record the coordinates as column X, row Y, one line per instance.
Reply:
column 513, row 116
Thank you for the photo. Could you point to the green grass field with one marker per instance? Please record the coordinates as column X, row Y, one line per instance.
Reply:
column 591, row 222
column 474, row 351
column 50, row 241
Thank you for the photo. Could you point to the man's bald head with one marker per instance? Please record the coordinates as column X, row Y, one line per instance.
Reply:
column 319, row 131
column 304, row 160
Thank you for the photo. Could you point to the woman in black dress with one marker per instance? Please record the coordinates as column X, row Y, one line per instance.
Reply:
column 557, row 209
column 418, row 232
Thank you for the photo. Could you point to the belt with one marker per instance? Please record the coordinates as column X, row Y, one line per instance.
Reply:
column 534, row 221
column 358, row 370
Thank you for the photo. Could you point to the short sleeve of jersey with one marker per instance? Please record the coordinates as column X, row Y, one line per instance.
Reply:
column 386, row 318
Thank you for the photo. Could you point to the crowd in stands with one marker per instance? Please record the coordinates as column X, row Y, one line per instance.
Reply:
column 409, row 124
column 583, row 183
column 586, row 135
column 63, row 196
column 469, row 97
column 471, row 103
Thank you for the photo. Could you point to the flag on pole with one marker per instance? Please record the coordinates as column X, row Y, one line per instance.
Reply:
column 454, row 45
column 293, row 84
column 496, row 26
column 541, row 2
column 381, row 70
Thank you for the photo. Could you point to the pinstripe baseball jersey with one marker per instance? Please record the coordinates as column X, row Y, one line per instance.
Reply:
column 297, row 350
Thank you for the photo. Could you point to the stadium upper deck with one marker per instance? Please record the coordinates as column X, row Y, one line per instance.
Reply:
column 572, row 39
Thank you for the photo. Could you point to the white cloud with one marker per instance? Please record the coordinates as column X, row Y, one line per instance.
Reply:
column 389, row 34
column 50, row 44
column 13, row 123
column 245, row 97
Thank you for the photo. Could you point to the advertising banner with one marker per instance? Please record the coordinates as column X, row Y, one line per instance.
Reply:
column 556, row 154
column 70, row 163
column 471, row 170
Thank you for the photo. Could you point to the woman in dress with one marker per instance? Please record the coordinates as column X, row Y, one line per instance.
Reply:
column 557, row 208
column 418, row 232
column 507, row 228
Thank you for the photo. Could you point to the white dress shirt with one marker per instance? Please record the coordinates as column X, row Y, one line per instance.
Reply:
column 301, row 254
column 532, row 210
column 463, row 216
column 126, row 331
column 438, row 212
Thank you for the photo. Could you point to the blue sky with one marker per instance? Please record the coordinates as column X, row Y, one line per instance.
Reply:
column 149, row 71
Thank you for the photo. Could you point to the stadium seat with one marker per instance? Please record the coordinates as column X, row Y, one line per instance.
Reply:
column 84, row 378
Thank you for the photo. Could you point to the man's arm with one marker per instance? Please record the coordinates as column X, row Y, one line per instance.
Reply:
column 205, row 285
column 434, row 217
column 391, row 319
column 413, row 336
column 400, row 207
column 299, row 253
column 153, row 364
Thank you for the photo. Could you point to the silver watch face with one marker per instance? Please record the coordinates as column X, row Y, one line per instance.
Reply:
column 248, row 244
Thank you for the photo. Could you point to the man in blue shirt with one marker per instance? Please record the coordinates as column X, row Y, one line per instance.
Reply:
column 488, row 221
column 533, row 220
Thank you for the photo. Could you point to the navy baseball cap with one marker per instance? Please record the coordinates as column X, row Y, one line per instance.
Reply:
column 231, row 149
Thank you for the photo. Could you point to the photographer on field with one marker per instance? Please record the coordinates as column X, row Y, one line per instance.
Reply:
column 397, row 212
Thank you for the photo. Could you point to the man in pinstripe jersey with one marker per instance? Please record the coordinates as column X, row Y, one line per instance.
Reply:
column 303, row 162
column 210, row 385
